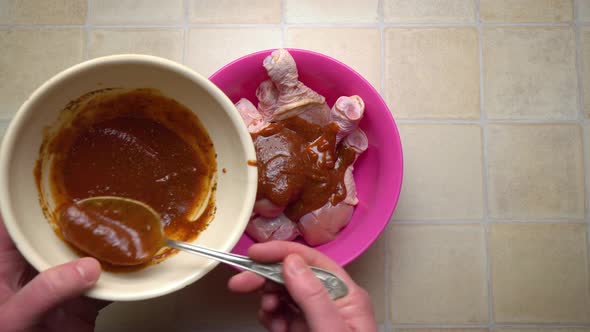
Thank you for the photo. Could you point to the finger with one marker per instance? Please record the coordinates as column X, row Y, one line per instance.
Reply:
column 275, row 251
column 265, row 318
column 245, row 282
column 270, row 302
column 311, row 296
column 49, row 289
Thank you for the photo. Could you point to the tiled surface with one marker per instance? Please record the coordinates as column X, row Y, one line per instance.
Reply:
column 234, row 11
column 60, row 12
column 444, row 184
column 357, row 47
column 372, row 260
column 585, row 61
column 526, row 10
column 29, row 57
column 540, row 273
column 210, row 48
column 530, row 73
column 149, row 315
column 163, row 43
column 535, row 172
column 571, row 329
column 584, row 10
column 432, row 73
column 438, row 274
column 492, row 101
column 331, row 11
column 429, row 11
column 115, row 12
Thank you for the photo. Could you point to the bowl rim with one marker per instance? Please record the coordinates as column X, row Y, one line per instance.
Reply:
column 388, row 115
column 9, row 146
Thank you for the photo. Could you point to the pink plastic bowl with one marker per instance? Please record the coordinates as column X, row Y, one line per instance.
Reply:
column 378, row 172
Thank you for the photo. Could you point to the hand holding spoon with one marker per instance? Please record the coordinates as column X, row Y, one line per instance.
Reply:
column 126, row 232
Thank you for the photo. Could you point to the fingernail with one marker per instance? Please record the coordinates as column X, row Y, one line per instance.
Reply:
column 296, row 265
column 85, row 267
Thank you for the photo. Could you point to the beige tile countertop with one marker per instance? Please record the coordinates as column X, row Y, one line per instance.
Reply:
column 492, row 98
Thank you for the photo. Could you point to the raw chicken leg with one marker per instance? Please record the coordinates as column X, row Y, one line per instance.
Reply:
column 358, row 141
column 293, row 95
column 267, row 209
column 324, row 224
column 252, row 118
column 347, row 113
column 267, row 229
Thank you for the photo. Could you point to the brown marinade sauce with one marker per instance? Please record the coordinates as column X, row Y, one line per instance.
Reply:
column 300, row 166
column 136, row 144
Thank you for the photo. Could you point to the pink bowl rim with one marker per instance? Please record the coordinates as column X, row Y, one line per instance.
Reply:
column 395, row 134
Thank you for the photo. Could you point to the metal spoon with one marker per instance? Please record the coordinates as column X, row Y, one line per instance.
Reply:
column 334, row 285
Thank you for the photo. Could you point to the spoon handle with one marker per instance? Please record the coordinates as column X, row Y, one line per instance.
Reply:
column 335, row 286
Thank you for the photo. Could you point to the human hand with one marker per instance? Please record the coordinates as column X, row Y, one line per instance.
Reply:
column 312, row 310
column 49, row 301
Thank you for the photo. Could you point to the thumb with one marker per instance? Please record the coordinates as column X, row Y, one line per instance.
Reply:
column 47, row 290
column 311, row 296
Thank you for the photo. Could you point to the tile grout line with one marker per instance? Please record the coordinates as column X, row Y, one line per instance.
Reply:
column 387, row 255
column 283, row 24
column 287, row 25
column 185, row 31
column 581, row 115
column 484, row 165
column 87, row 26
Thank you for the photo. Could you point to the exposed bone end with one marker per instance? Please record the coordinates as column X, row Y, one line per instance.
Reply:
column 281, row 69
column 357, row 140
column 352, row 108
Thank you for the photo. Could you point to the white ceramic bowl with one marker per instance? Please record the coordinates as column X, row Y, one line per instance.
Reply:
column 236, row 188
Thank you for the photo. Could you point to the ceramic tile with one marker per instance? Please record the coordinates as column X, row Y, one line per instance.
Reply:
column 535, row 172
column 150, row 315
column 206, row 304
column 331, row 11
column 540, row 273
column 210, row 49
column 60, row 12
column 30, row 57
column 584, row 10
column 3, row 127
column 432, row 73
column 234, row 11
column 585, row 59
column 136, row 12
column 356, row 47
column 438, row 274
column 441, row 184
column 526, row 10
column 369, row 272
column 429, row 11
column 440, row 330
column 163, row 43
column 530, row 73
column 570, row 329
